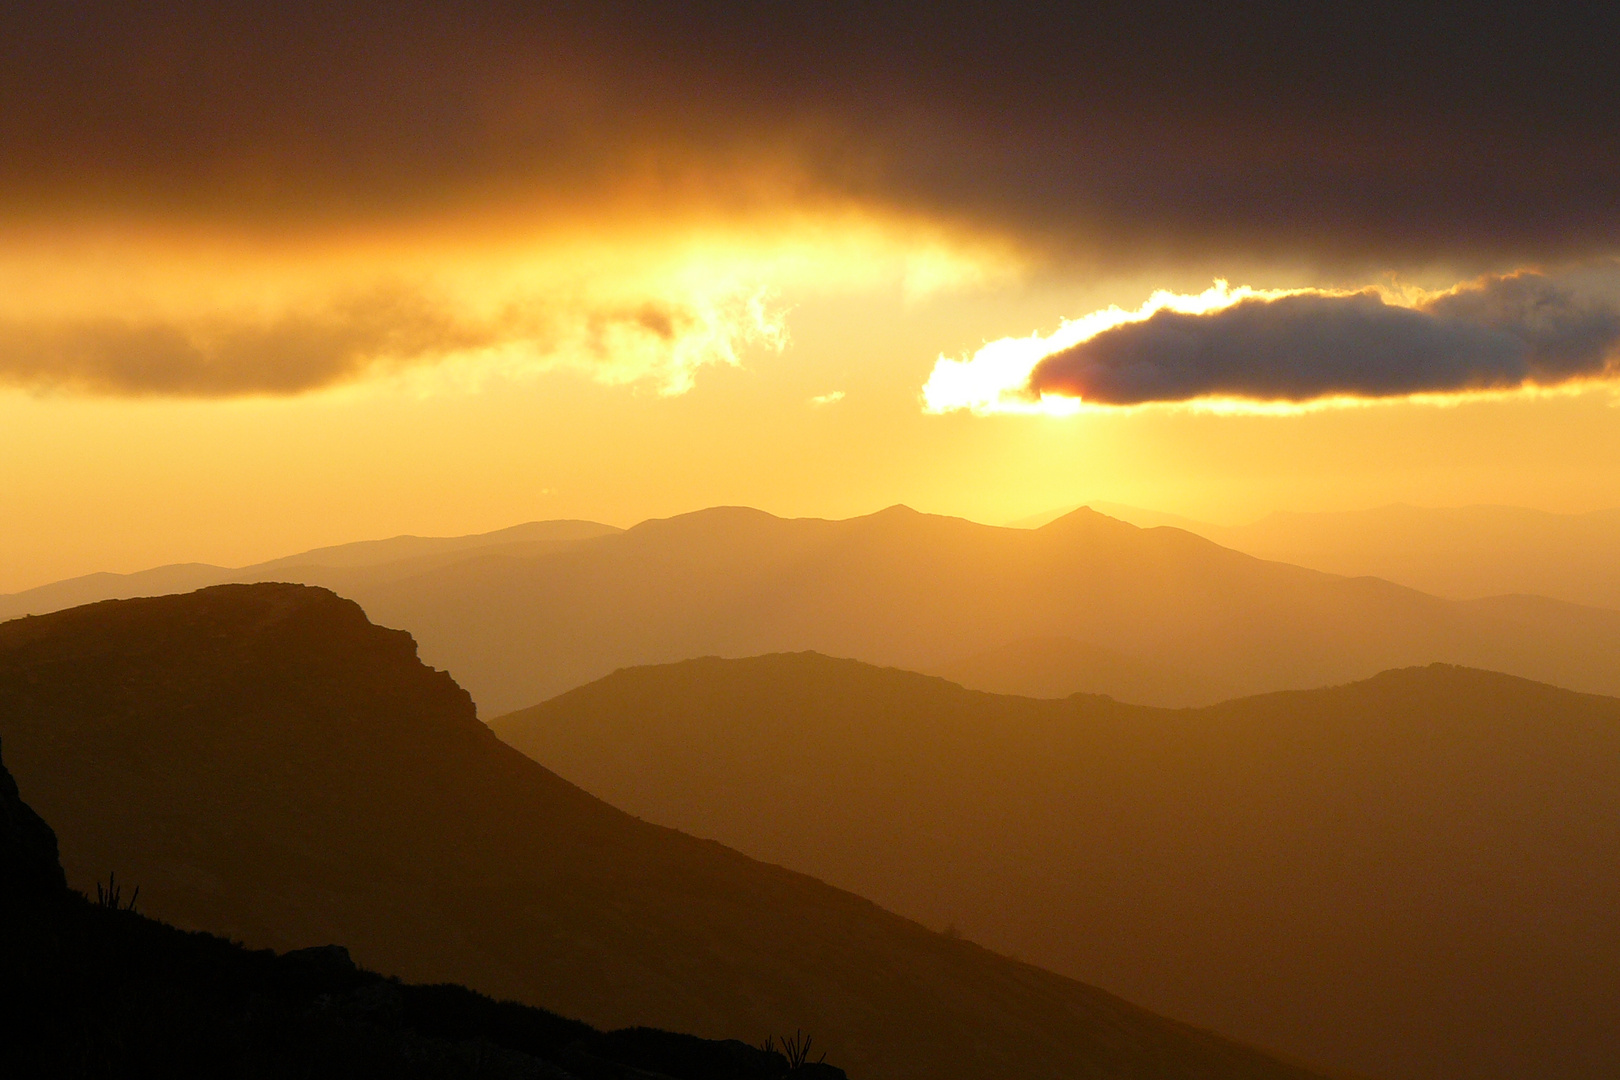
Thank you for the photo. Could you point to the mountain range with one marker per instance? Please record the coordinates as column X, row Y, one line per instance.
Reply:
column 347, row 565
column 1084, row 603
column 1461, row 552
column 1411, row 876
column 267, row 765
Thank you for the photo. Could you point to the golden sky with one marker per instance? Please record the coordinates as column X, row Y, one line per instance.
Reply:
column 274, row 280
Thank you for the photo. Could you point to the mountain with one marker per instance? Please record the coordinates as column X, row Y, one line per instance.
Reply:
column 924, row 593
column 1459, row 552
column 1413, row 876
column 342, row 566
column 407, row 552
column 1157, row 616
column 98, row 990
column 1055, row 667
column 1135, row 515
column 91, row 588
column 268, row 765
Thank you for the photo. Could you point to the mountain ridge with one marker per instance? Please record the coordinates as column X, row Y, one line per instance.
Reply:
column 1407, row 875
column 404, row 553
column 518, row 623
column 1459, row 552
column 267, row 764
column 923, row 592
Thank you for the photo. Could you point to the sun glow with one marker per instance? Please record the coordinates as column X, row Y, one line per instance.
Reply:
column 624, row 303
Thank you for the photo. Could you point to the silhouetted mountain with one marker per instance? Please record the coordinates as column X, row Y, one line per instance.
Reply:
column 98, row 990
column 345, row 565
column 1460, row 552
column 1135, row 515
column 516, row 624
column 533, row 537
column 267, row 764
column 92, row 588
column 1412, row 876
column 924, row 592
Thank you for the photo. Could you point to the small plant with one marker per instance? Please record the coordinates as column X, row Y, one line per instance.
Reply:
column 795, row 1049
column 111, row 895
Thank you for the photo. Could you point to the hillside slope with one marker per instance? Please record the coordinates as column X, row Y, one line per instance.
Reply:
column 1412, row 876
column 268, row 765
column 96, row 990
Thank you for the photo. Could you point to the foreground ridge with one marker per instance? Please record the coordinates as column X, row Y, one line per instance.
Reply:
column 267, row 764
column 94, row 988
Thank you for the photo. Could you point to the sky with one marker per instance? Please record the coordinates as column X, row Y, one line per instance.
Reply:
column 279, row 276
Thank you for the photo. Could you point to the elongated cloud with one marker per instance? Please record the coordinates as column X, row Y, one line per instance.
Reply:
column 1297, row 346
column 216, row 356
column 223, row 357
column 1129, row 132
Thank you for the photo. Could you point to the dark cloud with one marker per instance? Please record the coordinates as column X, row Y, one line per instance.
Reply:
column 223, row 358
column 1373, row 134
column 294, row 353
column 1500, row 333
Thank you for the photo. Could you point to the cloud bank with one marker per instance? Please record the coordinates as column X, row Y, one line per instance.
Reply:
column 1100, row 138
column 1498, row 333
column 659, row 343
column 1130, row 133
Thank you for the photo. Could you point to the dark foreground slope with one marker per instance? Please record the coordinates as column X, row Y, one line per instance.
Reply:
column 269, row 765
column 1415, row 876
column 97, row 990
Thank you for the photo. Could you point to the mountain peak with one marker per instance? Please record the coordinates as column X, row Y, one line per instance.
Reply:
column 1086, row 517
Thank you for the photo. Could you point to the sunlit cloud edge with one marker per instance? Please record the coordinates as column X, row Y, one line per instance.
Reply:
column 994, row 380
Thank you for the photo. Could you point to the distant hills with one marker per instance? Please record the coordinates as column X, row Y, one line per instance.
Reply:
column 1085, row 603
column 929, row 593
column 343, row 566
column 267, row 765
column 1412, row 876
column 1459, row 552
